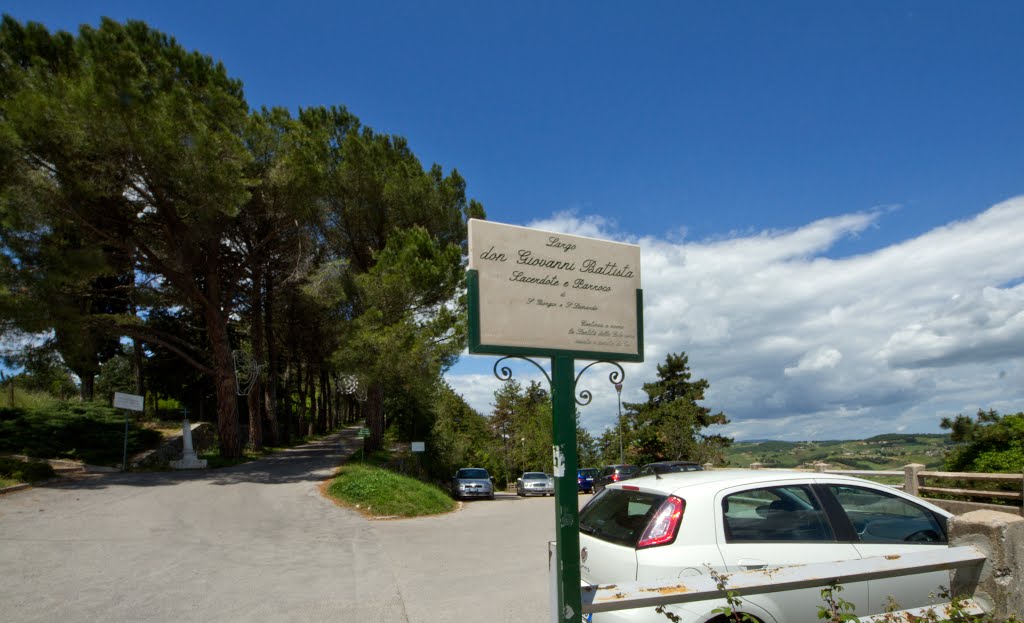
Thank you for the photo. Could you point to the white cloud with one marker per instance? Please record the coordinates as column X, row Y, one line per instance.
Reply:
column 797, row 345
column 822, row 358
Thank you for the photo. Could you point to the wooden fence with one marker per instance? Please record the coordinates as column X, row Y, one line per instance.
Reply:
column 924, row 483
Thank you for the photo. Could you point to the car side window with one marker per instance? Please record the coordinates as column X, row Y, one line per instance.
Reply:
column 789, row 513
column 882, row 518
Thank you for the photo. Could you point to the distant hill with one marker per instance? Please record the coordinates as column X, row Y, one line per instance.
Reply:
column 881, row 452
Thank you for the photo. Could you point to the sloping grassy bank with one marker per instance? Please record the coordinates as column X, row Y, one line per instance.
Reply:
column 14, row 471
column 378, row 492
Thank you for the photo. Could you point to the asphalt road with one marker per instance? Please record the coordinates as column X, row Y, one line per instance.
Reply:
column 258, row 542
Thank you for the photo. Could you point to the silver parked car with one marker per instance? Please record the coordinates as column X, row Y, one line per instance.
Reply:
column 472, row 482
column 535, row 483
column 666, row 527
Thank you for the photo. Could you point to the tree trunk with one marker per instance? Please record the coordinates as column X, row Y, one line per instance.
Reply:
column 325, row 401
column 270, row 388
column 375, row 416
column 255, row 397
column 224, row 369
column 137, row 354
column 88, row 386
column 300, row 411
column 311, row 413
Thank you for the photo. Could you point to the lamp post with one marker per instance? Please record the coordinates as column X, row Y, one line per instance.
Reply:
column 618, row 390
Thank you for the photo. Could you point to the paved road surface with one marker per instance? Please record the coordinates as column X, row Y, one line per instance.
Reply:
column 258, row 542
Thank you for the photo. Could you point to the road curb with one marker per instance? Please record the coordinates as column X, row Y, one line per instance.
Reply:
column 13, row 488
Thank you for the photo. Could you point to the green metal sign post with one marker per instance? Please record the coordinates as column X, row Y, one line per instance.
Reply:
column 541, row 294
column 567, row 516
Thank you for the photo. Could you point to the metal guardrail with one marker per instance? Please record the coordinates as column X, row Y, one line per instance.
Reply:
column 628, row 595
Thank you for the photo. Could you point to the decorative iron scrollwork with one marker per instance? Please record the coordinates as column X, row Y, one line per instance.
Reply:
column 616, row 376
column 506, row 372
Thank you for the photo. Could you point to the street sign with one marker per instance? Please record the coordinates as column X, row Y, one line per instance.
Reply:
column 543, row 293
column 132, row 402
column 539, row 293
column 363, row 433
column 419, row 446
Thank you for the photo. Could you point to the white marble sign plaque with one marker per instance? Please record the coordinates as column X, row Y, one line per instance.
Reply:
column 549, row 291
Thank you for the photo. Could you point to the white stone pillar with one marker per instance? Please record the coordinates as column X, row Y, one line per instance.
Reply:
column 189, row 460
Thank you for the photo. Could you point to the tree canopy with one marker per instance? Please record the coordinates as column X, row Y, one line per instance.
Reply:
column 142, row 199
column 988, row 442
column 671, row 424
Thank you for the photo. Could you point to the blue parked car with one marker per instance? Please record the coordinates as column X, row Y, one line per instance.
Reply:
column 585, row 479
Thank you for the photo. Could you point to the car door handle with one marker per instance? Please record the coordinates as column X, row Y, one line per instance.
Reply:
column 751, row 563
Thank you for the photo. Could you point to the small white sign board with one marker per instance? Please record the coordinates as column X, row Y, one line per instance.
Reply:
column 132, row 402
column 419, row 446
column 544, row 290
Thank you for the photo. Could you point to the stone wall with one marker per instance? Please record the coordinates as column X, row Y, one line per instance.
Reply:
column 998, row 585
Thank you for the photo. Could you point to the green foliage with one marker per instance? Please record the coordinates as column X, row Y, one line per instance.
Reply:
column 43, row 373
column 116, row 375
column 88, row 432
column 134, row 177
column 520, row 427
column 458, row 437
column 671, row 424
column 383, row 493
column 990, row 442
column 836, row 609
column 22, row 471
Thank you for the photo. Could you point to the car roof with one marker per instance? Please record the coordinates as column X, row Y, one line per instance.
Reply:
column 678, row 482
column 672, row 463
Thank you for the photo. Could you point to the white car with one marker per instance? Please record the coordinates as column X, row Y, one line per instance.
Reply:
column 535, row 483
column 673, row 526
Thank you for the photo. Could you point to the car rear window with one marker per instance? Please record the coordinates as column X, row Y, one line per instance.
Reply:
column 619, row 516
column 787, row 513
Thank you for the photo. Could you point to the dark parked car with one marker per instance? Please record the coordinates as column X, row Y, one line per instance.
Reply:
column 585, row 479
column 667, row 467
column 472, row 482
column 613, row 473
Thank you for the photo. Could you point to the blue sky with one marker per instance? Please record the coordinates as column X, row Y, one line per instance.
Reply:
column 823, row 191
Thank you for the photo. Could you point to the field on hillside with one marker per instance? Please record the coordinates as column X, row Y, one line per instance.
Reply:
column 882, row 452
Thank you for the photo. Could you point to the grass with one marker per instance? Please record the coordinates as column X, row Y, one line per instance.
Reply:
column 14, row 471
column 84, row 431
column 378, row 492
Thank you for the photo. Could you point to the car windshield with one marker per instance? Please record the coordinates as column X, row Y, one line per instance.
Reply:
column 472, row 473
column 535, row 476
column 676, row 467
column 619, row 516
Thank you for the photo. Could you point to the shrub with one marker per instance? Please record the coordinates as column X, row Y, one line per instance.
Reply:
column 25, row 471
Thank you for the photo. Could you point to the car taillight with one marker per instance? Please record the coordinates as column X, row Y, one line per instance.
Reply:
column 615, row 477
column 664, row 527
